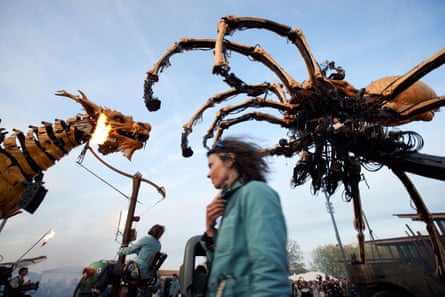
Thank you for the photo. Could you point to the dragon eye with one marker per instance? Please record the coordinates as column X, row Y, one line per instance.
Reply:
column 118, row 118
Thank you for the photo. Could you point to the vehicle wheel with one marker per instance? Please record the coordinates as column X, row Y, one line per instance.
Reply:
column 89, row 278
column 82, row 289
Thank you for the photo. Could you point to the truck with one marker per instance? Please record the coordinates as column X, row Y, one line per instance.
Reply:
column 400, row 266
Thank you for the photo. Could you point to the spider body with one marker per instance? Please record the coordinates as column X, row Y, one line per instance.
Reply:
column 411, row 97
column 335, row 128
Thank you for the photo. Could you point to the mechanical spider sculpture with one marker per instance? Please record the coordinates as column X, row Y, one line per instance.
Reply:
column 335, row 127
column 22, row 166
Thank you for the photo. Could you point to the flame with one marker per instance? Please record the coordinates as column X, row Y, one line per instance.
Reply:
column 101, row 131
column 47, row 236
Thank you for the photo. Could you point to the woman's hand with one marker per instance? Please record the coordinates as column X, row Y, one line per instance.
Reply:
column 214, row 210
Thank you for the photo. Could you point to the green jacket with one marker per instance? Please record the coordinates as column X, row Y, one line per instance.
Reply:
column 250, row 258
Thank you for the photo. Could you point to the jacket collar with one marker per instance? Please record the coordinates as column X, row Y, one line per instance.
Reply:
column 227, row 193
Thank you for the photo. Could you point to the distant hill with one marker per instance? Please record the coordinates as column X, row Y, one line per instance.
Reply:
column 65, row 269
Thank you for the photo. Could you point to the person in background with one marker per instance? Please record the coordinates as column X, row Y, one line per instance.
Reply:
column 157, row 288
column 166, row 283
column 145, row 249
column 174, row 288
column 247, row 250
column 153, row 290
column 316, row 288
column 17, row 286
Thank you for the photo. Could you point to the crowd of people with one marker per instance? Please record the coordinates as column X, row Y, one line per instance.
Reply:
column 328, row 287
column 164, row 287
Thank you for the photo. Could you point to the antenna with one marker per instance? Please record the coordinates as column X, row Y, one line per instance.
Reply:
column 118, row 232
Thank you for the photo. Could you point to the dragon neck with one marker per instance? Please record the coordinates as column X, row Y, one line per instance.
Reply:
column 42, row 146
column 24, row 157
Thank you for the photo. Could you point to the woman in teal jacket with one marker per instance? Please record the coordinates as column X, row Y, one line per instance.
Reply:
column 247, row 252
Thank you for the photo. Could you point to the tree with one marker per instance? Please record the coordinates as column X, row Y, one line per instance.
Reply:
column 328, row 259
column 296, row 260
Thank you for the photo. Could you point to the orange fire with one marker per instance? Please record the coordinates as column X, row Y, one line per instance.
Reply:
column 101, row 131
column 47, row 236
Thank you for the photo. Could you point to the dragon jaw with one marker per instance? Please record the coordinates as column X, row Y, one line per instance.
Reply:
column 124, row 134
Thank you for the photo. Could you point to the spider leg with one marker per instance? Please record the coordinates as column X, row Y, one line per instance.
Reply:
column 258, row 54
column 258, row 116
column 402, row 99
column 405, row 81
column 186, row 44
column 425, row 216
column 351, row 182
column 418, row 102
column 420, row 164
column 218, row 98
column 228, row 24
column 288, row 109
column 251, row 90
column 422, row 109
column 153, row 103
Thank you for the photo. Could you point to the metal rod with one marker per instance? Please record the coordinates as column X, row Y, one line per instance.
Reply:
column 127, row 236
column 337, row 234
column 36, row 243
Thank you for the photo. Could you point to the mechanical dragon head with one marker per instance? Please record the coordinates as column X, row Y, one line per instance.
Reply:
column 119, row 133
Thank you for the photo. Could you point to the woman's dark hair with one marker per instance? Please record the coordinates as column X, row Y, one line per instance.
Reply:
column 248, row 161
column 156, row 231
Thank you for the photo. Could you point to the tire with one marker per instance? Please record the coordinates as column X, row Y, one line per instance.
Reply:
column 89, row 279
column 83, row 289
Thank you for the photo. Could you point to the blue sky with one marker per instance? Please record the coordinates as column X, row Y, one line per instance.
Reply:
column 105, row 47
